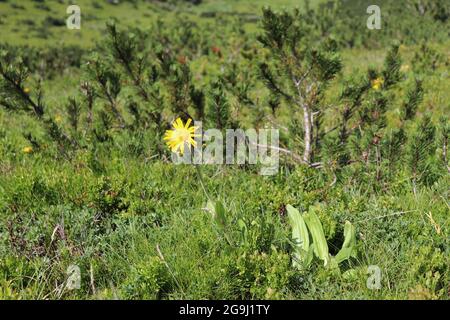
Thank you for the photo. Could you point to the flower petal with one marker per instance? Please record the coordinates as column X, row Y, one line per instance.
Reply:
column 188, row 122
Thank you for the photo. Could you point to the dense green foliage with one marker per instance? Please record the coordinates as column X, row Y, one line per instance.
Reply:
column 86, row 180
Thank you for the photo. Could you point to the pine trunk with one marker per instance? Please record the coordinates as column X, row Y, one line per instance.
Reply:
column 308, row 133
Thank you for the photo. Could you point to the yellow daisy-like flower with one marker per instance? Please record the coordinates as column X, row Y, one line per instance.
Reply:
column 26, row 90
column 377, row 83
column 180, row 135
column 27, row 150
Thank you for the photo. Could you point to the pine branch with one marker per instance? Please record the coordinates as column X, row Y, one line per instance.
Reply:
column 414, row 98
column 392, row 64
column 219, row 108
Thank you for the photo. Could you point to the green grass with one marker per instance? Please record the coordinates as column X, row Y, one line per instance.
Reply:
column 93, row 21
column 160, row 206
column 27, row 25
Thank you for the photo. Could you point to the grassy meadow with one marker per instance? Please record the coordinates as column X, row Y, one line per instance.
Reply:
column 92, row 207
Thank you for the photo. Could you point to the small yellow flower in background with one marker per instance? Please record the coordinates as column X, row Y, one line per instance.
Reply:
column 377, row 83
column 58, row 119
column 27, row 150
column 181, row 134
column 26, row 90
column 404, row 68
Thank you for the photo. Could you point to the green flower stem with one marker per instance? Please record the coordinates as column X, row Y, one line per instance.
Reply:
column 200, row 178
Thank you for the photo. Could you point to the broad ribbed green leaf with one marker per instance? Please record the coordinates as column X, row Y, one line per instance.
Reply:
column 218, row 212
column 318, row 236
column 299, row 235
column 221, row 215
column 348, row 247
